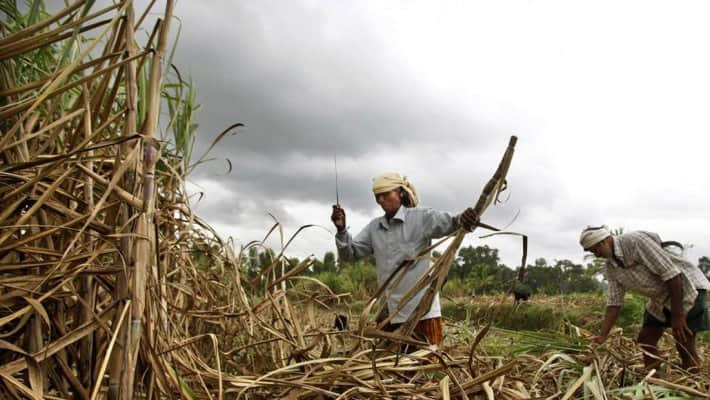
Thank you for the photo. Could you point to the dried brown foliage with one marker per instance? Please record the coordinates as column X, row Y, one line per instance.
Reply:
column 111, row 288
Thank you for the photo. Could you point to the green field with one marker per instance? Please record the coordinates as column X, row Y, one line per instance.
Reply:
column 559, row 316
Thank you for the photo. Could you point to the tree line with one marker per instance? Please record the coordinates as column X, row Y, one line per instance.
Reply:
column 476, row 270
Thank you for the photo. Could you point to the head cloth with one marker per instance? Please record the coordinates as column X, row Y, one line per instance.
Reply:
column 392, row 180
column 592, row 235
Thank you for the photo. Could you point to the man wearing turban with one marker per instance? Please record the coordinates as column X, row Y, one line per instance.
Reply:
column 675, row 287
column 400, row 234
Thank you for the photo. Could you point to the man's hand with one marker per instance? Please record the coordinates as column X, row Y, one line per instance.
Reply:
column 469, row 219
column 338, row 217
column 681, row 332
column 610, row 316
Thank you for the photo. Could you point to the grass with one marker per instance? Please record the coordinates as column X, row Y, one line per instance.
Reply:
column 508, row 316
column 547, row 313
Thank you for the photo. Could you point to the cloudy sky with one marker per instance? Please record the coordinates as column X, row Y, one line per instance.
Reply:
column 609, row 100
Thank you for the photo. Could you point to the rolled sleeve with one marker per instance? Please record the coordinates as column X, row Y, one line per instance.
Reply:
column 342, row 239
column 655, row 258
column 615, row 296
column 350, row 249
column 440, row 223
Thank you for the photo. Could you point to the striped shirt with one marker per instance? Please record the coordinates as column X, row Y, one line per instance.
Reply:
column 402, row 237
column 644, row 267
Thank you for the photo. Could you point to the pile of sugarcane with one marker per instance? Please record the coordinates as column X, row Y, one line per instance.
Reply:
column 111, row 288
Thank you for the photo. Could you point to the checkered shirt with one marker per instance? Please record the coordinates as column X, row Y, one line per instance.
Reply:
column 646, row 266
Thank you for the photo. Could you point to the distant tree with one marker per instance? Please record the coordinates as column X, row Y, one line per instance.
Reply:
column 325, row 265
column 266, row 257
column 203, row 255
column 316, row 267
column 329, row 261
column 480, row 258
column 570, row 273
column 252, row 263
column 540, row 262
column 362, row 277
column 480, row 269
column 576, row 278
column 563, row 277
column 481, row 280
column 255, row 262
column 543, row 278
column 504, row 277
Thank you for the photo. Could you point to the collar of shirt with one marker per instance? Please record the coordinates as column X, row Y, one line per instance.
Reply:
column 400, row 215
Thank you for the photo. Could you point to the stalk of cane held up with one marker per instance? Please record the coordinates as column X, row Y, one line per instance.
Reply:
column 434, row 280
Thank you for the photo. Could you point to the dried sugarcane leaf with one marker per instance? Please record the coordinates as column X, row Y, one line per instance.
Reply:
column 21, row 387
column 38, row 308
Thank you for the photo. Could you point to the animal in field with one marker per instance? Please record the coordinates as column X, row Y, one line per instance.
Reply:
column 341, row 322
column 521, row 292
column 524, row 296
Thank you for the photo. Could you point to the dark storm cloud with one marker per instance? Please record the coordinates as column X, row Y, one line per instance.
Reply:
column 276, row 182
column 313, row 79
column 303, row 83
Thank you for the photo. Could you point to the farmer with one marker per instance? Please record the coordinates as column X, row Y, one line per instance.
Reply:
column 675, row 287
column 401, row 234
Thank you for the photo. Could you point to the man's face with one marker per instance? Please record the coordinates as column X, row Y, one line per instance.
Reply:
column 389, row 201
column 602, row 249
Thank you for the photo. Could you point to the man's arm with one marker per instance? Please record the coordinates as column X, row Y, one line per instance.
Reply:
column 614, row 303
column 610, row 317
column 438, row 223
column 349, row 249
column 680, row 327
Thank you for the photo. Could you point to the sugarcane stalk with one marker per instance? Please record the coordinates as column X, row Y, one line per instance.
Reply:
column 145, row 248
column 37, row 373
column 120, row 357
column 440, row 269
column 86, row 283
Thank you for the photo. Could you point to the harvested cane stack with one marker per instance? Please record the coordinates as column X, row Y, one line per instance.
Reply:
column 111, row 288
